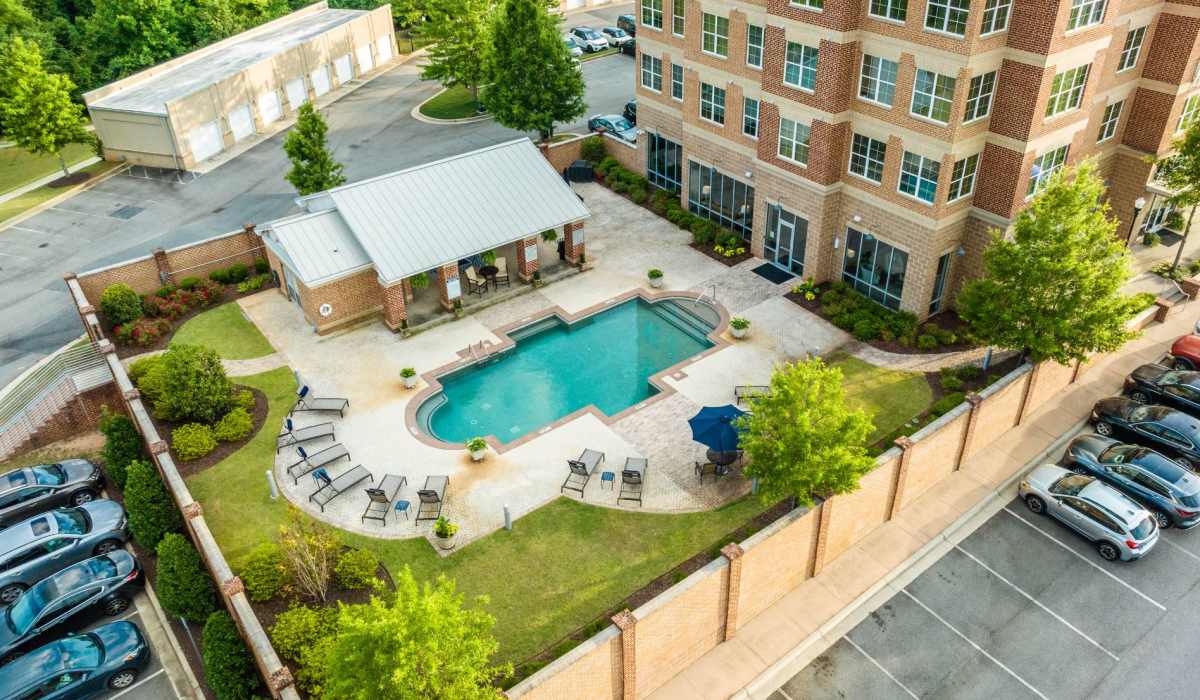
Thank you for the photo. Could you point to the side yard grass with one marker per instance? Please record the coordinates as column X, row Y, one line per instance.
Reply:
column 453, row 103
column 41, row 195
column 226, row 330
column 891, row 396
column 18, row 166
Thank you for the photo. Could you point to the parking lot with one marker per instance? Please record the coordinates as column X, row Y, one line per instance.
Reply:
column 152, row 683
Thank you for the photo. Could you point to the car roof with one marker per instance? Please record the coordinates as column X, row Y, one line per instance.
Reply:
column 1179, row 421
column 32, row 530
column 1112, row 501
column 1159, row 466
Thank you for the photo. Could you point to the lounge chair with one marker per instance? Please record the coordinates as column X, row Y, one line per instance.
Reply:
column 474, row 285
column 632, row 479
column 581, row 471
column 432, row 495
column 502, row 272
column 305, row 402
column 717, row 470
column 747, row 392
column 292, row 435
column 380, row 498
column 308, row 462
column 330, row 489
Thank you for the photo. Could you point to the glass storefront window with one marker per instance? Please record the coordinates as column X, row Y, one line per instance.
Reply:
column 874, row 268
column 721, row 199
column 664, row 163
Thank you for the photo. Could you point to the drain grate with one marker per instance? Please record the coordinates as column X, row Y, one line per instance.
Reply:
column 127, row 212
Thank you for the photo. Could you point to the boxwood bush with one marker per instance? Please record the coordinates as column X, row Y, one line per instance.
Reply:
column 264, row 573
column 183, row 586
column 592, row 149
column 192, row 441
column 945, row 404
column 355, row 569
column 152, row 511
column 228, row 669
column 234, row 425
column 122, row 445
column 194, row 387
column 120, row 304
column 302, row 635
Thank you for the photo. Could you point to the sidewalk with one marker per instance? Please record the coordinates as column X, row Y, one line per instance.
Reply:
column 801, row 625
column 30, row 186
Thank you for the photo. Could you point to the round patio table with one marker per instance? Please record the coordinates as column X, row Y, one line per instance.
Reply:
column 489, row 273
column 723, row 459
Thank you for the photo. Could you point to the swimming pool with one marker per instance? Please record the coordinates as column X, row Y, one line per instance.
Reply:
column 557, row 368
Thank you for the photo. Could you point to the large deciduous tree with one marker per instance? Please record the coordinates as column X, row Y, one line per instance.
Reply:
column 125, row 36
column 1180, row 172
column 36, row 110
column 1053, row 290
column 313, row 166
column 461, row 32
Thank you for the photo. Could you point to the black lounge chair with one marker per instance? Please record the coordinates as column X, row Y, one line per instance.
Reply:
column 432, row 495
column 292, row 435
column 632, row 479
column 332, row 488
column 380, row 498
column 717, row 470
column 581, row 471
column 747, row 392
column 308, row 462
column 306, row 402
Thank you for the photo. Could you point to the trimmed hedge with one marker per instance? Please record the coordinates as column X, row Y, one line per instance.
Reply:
column 234, row 425
column 195, row 387
column 183, row 586
column 192, row 441
column 228, row 669
column 264, row 573
column 593, row 149
column 244, row 399
column 302, row 635
column 945, row 404
column 152, row 511
column 122, row 445
column 120, row 304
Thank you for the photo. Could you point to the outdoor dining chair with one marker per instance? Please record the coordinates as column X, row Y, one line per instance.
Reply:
column 474, row 284
column 502, row 273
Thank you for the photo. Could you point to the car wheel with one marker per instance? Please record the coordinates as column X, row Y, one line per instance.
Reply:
column 1104, row 429
column 122, row 679
column 1035, row 504
column 106, row 546
column 116, row 606
column 1140, row 397
column 1161, row 518
column 1108, row 551
column 82, row 497
column 10, row 593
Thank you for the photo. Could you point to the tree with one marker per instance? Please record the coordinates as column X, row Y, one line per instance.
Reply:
column 1180, row 172
column 313, row 167
column 182, row 584
column 194, row 385
column 535, row 82
column 309, row 553
column 421, row 644
column 460, row 30
column 123, row 36
column 802, row 439
column 228, row 669
column 36, row 110
column 152, row 511
column 1053, row 290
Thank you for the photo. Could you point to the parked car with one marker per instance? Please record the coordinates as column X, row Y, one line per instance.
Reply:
column 79, row 667
column 44, row 544
column 1185, row 352
column 31, row 490
column 1120, row 528
column 616, row 36
column 589, row 39
column 629, row 48
column 1154, row 383
column 1172, row 432
column 628, row 23
column 1170, row 492
column 614, row 124
column 573, row 46
column 630, row 111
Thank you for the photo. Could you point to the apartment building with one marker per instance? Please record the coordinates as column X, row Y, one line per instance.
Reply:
column 879, row 141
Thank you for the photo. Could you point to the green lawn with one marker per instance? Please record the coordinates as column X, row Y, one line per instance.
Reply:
column 560, row 568
column 33, row 198
column 454, row 103
column 18, row 166
column 225, row 330
column 892, row 397
column 599, row 54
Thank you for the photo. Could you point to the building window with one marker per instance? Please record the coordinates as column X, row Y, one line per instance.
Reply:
column 651, row 72
column 866, row 157
column 721, row 199
column 979, row 96
column 995, row 16
column 716, row 35
column 810, row 4
column 677, row 81
column 750, row 117
column 1066, row 90
column 919, row 176
column 1085, row 13
column 890, row 9
column 874, row 268
column 652, row 13
column 677, row 14
column 712, row 103
column 793, row 141
column 939, row 283
column 1191, row 109
column 877, row 81
column 949, row 16
column 1112, row 117
column 1132, row 49
column 1044, row 166
column 800, row 66
column 962, row 179
column 754, row 46
column 933, row 95
column 664, row 163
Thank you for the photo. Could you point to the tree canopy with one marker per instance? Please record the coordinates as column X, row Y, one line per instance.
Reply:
column 1180, row 172
column 36, row 111
column 461, row 32
column 313, row 166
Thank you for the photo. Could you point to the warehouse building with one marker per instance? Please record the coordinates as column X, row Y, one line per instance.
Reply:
column 183, row 112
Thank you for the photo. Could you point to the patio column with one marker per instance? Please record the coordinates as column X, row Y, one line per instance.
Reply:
column 527, row 258
column 408, row 292
column 394, row 311
column 448, row 285
column 573, row 234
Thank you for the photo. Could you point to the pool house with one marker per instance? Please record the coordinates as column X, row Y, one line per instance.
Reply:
column 418, row 243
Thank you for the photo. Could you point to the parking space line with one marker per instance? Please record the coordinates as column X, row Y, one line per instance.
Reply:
column 1162, row 538
column 978, row 648
column 1038, row 603
column 784, row 693
column 30, row 230
column 152, row 675
column 1087, row 561
column 81, row 213
column 879, row 666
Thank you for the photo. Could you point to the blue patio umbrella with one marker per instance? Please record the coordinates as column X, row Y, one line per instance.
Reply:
column 714, row 427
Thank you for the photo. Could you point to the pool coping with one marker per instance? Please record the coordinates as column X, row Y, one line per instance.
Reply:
column 676, row 371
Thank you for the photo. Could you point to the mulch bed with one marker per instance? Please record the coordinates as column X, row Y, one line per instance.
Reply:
column 230, row 294
column 726, row 261
column 69, row 180
column 223, row 449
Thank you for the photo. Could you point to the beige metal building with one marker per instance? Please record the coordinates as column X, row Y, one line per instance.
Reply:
column 187, row 110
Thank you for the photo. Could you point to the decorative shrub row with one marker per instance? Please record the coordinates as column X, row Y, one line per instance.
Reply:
column 264, row 574
column 228, row 669
column 866, row 320
column 152, row 511
column 240, row 272
column 355, row 569
column 192, row 441
column 182, row 585
column 623, row 180
column 122, row 445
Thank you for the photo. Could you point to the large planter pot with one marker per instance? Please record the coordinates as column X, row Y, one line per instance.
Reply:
column 410, row 382
column 656, row 282
column 738, row 332
column 446, row 543
column 478, row 455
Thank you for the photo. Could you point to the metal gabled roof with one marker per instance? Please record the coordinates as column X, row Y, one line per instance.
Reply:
column 317, row 247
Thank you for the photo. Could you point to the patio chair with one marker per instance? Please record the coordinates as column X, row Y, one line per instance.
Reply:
column 632, row 479
column 332, row 488
column 502, row 272
column 380, row 498
column 305, row 402
column 474, row 284
column 292, row 435
column 308, row 462
column 432, row 495
column 717, row 470
column 581, row 471
column 747, row 392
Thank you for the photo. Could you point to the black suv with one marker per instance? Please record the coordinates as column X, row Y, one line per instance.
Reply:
column 1172, row 432
column 628, row 23
column 27, row 491
column 1160, row 384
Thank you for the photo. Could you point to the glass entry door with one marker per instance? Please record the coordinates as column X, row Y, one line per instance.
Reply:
column 785, row 239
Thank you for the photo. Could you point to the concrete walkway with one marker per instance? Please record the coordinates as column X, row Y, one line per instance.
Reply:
column 233, row 368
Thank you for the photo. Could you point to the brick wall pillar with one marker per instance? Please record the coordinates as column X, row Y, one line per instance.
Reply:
column 1030, row 385
column 822, row 536
column 527, row 258
column 627, row 623
column 573, row 234
column 447, row 277
column 972, row 420
column 164, row 269
column 905, row 444
column 733, row 552
column 394, row 311
column 408, row 290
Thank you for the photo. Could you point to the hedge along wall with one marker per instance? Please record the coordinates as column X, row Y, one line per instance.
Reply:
column 565, row 152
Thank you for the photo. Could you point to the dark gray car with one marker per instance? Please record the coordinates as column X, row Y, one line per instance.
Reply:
column 28, row 491
column 44, row 544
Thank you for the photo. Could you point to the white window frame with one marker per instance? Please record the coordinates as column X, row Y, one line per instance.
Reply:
column 1066, row 90
column 677, row 68
column 954, row 13
column 1086, row 13
column 874, row 82
column 939, row 81
column 891, row 9
column 922, row 164
column 652, row 9
column 865, row 159
column 962, row 179
column 746, row 118
column 1110, row 121
column 790, row 138
column 760, row 46
column 714, row 35
column 979, row 103
column 715, row 108
column 816, row 5
column 996, row 14
column 1191, row 111
column 1044, row 166
column 678, row 17
column 1131, row 50
column 802, row 70
column 651, row 68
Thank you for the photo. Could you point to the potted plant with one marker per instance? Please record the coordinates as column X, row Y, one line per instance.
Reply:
column 739, row 327
column 419, row 280
column 458, row 309
column 488, row 258
column 409, row 375
column 656, row 277
column 477, row 446
column 537, row 279
column 445, row 530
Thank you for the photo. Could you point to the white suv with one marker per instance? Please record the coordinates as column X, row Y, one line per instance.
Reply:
column 590, row 39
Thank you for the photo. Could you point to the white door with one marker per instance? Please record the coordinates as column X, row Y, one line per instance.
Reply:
column 320, row 80
column 345, row 71
column 269, row 108
column 296, row 94
column 241, row 122
column 364, row 58
column 205, row 141
column 383, row 47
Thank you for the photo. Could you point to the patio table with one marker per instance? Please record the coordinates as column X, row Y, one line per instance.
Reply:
column 723, row 459
column 489, row 273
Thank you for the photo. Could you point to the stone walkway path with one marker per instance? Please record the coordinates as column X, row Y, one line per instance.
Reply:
column 233, row 368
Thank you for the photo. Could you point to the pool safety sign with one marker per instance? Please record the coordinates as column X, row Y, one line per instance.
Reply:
column 453, row 289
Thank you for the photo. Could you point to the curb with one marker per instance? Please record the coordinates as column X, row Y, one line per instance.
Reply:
column 416, row 113
column 161, row 616
column 47, row 179
column 65, row 195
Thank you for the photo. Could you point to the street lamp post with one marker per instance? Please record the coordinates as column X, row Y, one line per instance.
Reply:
column 1138, row 204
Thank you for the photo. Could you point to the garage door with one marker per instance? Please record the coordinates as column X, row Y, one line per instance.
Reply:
column 345, row 71
column 241, row 123
column 320, row 80
column 269, row 108
column 364, row 58
column 205, row 141
column 296, row 94
column 572, row 4
column 383, row 47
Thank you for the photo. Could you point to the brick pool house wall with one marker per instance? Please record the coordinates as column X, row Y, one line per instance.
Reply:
column 445, row 273
column 573, row 241
column 526, row 265
column 394, row 311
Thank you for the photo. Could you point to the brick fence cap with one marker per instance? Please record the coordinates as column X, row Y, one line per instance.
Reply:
column 158, row 448
column 233, row 586
column 974, row 399
column 732, row 551
column 249, row 228
column 624, row 620
column 106, row 346
column 192, row 510
column 68, row 276
column 132, row 394
column 904, row 442
column 281, row 678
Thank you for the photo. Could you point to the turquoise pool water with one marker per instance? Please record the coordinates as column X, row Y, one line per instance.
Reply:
column 558, row 368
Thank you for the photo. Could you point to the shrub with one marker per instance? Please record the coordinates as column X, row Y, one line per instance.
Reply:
column 606, row 164
column 147, row 375
column 264, row 573
column 675, row 215
column 1144, row 300
column 301, row 635
column 866, row 329
column 654, row 273
column 183, row 586
column 122, row 445
column 152, row 511
column 702, row 231
column 192, row 441
column 593, row 149
column 951, row 383
column 165, row 291
column 234, row 425
column 244, row 399
column 195, row 387
column 238, row 272
column 355, row 569
column 189, row 283
column 220, row 275
column 309, row 551
column 618, row 186
column 142, row 332
column 120, row 304
column 253, row 284
column 944, row 405
column 261, row 266
column 969, row 372
column 228, row 669
column 926, row 342
column 638, row 195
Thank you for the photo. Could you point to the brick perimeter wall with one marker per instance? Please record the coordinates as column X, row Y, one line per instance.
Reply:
column 75, row 418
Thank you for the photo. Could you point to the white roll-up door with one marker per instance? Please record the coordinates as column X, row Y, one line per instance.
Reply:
column 383, row 47
column 364, row 58
column 269, row 108
column 320, row 80
column 296, row 93
column 241, row 122
column 205, row 141
column 345, row 70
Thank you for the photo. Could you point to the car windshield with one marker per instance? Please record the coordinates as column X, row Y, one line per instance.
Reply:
column 615, row 31
column 49, row 474
column 1143, row 529
column 82, row 651
column 15, row 479
column 1070, row 485
column 620, row 124
column 1119, row 454
column 22, row 614
column 569, row 42
column 71, row 521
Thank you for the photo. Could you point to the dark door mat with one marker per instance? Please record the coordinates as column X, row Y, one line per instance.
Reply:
column 773, row 274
